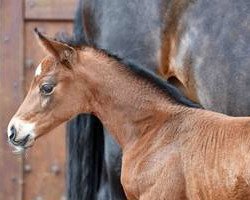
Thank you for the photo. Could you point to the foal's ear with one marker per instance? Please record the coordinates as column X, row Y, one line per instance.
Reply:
column 61, row 51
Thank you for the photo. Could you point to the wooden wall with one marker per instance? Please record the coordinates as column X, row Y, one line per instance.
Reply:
column 40, row 173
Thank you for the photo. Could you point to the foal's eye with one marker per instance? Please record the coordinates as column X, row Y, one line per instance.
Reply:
column 46, row 89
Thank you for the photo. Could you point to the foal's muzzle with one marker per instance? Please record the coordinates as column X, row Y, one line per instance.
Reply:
column 12, row 138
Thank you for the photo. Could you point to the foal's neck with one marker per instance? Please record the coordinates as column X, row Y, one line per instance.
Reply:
column 128, row 106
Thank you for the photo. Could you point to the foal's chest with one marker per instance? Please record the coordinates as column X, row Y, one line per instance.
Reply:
column 144, row 174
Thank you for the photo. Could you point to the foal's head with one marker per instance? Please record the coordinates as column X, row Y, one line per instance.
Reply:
column 53, row 95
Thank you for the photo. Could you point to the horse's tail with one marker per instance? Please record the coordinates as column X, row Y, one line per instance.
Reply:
column 85, row 139
column 85, row 157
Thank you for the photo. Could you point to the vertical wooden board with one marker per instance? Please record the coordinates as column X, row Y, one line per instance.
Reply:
column 44, row 166
column 47, row 9
column 11, row 93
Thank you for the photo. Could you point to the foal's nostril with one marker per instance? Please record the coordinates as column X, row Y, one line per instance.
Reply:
column 12, row 133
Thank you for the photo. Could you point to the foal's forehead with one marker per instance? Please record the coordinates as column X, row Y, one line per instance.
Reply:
column 47, row 65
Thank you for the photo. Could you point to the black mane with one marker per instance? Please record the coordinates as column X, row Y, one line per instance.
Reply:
column 143, row 72
column 158, row 82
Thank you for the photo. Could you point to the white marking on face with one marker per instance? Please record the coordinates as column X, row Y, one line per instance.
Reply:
column 38, row 70
column 23, row 128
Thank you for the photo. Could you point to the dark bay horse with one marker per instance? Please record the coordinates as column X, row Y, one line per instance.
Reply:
column 170, row 151
column 200, row 46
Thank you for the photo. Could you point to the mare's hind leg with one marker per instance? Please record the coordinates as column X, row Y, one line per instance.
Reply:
column 113, row 157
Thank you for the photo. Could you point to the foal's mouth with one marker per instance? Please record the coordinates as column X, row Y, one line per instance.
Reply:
column 21, row 142
column 21, row 145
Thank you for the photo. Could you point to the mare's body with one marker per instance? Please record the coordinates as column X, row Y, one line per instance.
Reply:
column 202, row 46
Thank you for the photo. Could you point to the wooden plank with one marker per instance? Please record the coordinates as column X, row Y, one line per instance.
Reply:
column 49, row 10
column 45, row 163
column 11, row 93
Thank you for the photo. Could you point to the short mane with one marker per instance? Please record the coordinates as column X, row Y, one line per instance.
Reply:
column 143, row 72
column 156, row 81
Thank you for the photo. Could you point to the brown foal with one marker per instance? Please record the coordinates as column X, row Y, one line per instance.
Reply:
column 170, row 151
